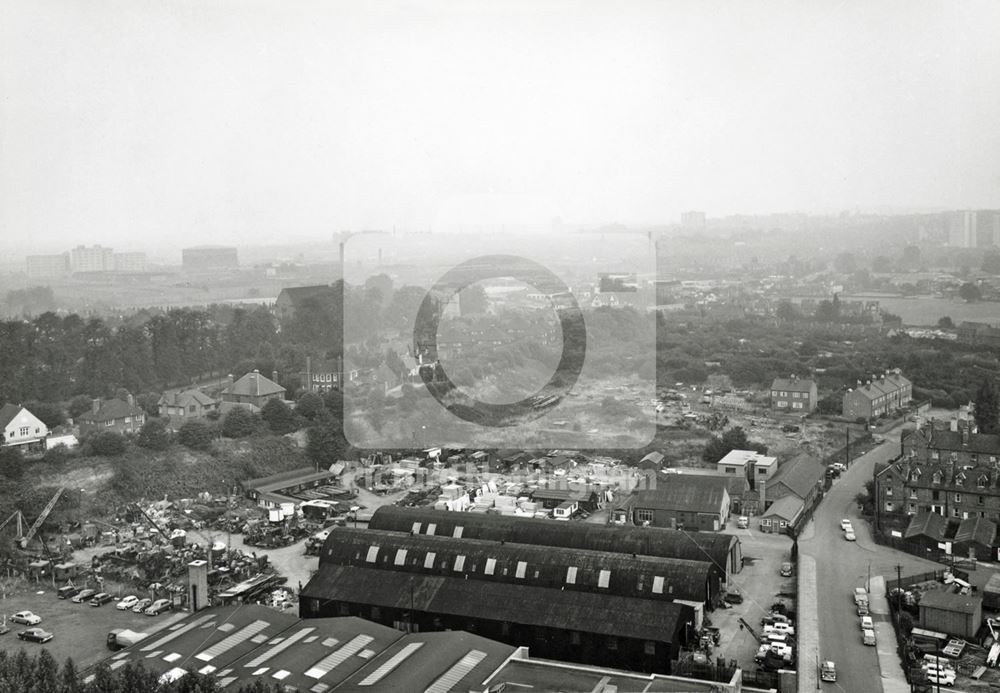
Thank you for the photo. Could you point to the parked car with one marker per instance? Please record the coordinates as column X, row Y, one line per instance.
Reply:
column 141, row 605
column 846, row 525
column 868, row 637
column 35, row 635
column 743, row 522
column 937, row 675
column 863, row 609
column 734, row 597
column 101, row 598
column 158, row 607
column 780, row 628
column 27, row 618
column 786, row 569
column 4, row 629
column 849, row 536
column 867, row 623
column 828, row 672
column 83, row 596
column 127, row 603
column 67, row 591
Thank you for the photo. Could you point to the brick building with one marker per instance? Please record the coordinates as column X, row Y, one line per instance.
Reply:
column 796, row 395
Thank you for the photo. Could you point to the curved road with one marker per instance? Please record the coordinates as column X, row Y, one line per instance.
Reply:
column 840, row 566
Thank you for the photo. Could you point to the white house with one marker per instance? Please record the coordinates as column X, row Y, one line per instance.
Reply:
column 21, row 427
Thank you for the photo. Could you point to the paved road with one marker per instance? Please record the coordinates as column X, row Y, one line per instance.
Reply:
column 841, row 566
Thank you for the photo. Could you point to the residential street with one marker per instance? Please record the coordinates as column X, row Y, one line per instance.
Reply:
column 840, row 566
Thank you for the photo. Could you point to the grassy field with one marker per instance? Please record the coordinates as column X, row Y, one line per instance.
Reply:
column 925, row 311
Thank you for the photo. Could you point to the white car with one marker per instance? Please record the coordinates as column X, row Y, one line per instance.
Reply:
column 27, row 618
column 846, row 525
column 867, row 623
column 127, row 603
column 944, row 677
column 780, row 628
column 849, row 535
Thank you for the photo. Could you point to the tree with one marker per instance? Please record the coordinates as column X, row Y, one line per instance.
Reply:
column 69, row 678
column 987, row 412
column 325, row 443
column 106, row 443
column 11, row 463
column 845, row 263
column 991, row 262
column 279, row 417
column 866, row 499
column 46, row 678
column 79, row 405
column 196, row 435
column 310, row 405
column 733, row 439
column 238, row 423
column 50, row 414
column 969, row 292
column 946, row 323
column 787, row 311
column 154, row 435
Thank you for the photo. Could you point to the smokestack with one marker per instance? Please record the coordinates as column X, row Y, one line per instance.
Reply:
column 131, row 400
column 274, row 376
column 95, row 405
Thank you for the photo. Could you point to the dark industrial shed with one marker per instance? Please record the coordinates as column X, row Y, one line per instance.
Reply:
column 603, row 572
column 722, row 551
column 598, row 629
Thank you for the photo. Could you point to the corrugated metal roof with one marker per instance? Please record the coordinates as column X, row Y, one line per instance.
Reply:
column 644, row 541
column 497, row 601
column 686, row 493
column 544, row 566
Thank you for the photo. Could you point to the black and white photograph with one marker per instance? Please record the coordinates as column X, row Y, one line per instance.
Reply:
column 499, row 346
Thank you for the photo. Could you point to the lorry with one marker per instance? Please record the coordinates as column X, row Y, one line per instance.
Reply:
column 120, row 638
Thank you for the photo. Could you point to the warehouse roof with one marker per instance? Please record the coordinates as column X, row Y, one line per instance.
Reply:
column 647, row 577
column 948, row 601
column 497, row 601
column 799, row 474
column 646, row 541
column 686, row 493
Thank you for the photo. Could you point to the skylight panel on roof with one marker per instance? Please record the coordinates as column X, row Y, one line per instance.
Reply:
column 172, row 657
column 280, row 647
column 331, row 661
column 431, row 528
column 261, row 671
column 330, row 642
column 387, row 666
column 400, row 557
column 281, row 675
column 604, row 578
column 459, row 671
column 222, row 683
column 319, row 688
column 459, row 563
column 177, row 633
column 429, row 560
column 571, row 575
column 491, row 566
column 522, row 567
column 226, row 644
column 457, row 534
column 207, row 669
column 372, row 554
column 416, row 528
column 117, row 665
column 658, row 584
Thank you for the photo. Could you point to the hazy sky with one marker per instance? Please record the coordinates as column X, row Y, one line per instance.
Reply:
column 151, row 121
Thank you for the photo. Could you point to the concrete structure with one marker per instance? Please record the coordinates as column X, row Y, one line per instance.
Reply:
column 795, row 395
column 209, row 257
column 91, row 259
column 198, row 585
column 47, row 266
column 749, row 463
column 21, row 428
column 129, row 262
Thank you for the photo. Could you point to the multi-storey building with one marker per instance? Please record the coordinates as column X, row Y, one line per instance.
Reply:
column 796, row 395
column 947, row 469
column 879, row 396
column 91, row 259
column 129, row 262
column 45, row 266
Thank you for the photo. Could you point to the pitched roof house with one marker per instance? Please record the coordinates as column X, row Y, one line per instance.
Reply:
column 796, row 395
column 187, row 405
column 20, row 427
column 253, row 391
column 798, row 476
column 114, row 415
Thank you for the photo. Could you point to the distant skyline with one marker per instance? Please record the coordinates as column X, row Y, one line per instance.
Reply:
column 143, row 124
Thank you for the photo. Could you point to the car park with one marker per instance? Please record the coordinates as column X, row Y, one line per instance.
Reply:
column 127, row 603
column 849, row 536
column 158, row 607
column 100, row 599
column 27, row 618
column 84, row 596
column 141, row 605
column 35, row 635
column 828, row 672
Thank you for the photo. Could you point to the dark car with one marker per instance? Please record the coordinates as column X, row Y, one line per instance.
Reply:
column 35, row 635
column 734, row 597
column 68, row 591
column 84, row 596
column 100, row 599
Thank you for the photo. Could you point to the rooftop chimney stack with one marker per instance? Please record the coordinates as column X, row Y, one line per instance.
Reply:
column 95, row 405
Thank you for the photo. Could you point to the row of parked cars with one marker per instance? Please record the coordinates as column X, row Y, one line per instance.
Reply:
column 131, row 603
